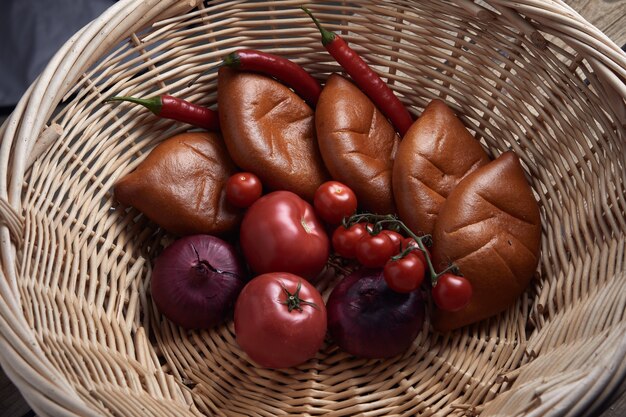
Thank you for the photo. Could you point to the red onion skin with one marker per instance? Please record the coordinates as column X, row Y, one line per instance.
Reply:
column 369, row 320
column 196, row 281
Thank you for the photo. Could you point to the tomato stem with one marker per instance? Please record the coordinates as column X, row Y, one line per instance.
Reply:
column 294, row 301
column 433, row 274
column 370, row 217
column 403, row 253
column 378, row 226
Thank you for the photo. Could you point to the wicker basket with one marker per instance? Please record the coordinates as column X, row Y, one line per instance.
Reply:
column 79, row 334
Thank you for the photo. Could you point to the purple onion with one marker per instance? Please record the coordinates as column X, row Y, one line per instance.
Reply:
column 369, row 320
column 196, row 281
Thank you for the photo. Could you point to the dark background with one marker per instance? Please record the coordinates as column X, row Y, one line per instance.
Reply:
column 31, row 31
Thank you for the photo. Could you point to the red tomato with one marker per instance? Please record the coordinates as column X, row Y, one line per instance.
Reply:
column 345, row 240
column 409, row 241
column 405, row 274
column 243, row 189
column 280, row 233
column 452, row 292
column 396, row 238
column 333, row 201
column 374, row 251
column 280, row 320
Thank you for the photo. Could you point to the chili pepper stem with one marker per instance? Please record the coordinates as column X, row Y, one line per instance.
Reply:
column 231, row 60
column 197, row 77
column 327, row 35
column 153, row 104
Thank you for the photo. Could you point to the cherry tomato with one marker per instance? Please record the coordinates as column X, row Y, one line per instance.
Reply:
column 396, row 238
column 345, row 239
column 405, row 274
column 333, row 201
column 374, row 251
column 452, row 292
column 409, row 241
column 243, row 189
column 280, row 320
column 280, row 233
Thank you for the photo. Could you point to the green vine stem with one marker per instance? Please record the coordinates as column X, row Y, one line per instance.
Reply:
column 389, row 219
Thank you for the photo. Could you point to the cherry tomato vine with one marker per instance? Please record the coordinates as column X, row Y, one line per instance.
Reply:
column 382, row 222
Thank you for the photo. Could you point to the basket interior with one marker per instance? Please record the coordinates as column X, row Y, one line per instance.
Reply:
column 84, row 271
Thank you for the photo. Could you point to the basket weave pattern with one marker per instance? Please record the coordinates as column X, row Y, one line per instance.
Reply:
column 79, row 333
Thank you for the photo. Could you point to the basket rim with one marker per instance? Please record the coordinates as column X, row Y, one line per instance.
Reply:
column 23, row 360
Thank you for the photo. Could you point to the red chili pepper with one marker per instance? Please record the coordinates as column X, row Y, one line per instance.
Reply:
column 284, row 70
column 174, row 108
column 367, row 80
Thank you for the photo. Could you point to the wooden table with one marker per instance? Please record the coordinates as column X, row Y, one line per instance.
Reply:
column 610, row 17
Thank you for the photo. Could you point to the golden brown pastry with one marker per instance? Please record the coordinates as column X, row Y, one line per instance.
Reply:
column 490, row 228
column 357, row 143
column 269, row 131
column 180, row 185
column 435, row 154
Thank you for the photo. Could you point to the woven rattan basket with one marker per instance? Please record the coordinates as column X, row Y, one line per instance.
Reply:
column 79, row 334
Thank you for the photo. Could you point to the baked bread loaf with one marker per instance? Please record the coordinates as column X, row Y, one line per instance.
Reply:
column 435, row 154
column 490, row 228
column 358, row 144
column 180, row 185
column 270, row 131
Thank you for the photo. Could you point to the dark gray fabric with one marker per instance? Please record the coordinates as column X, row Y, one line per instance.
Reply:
column 31, row 31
